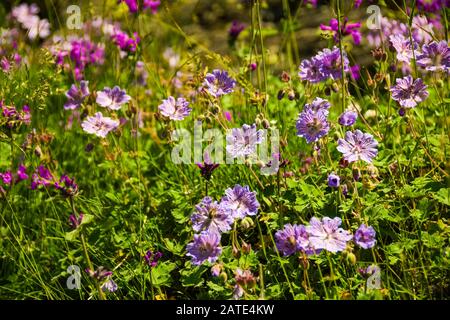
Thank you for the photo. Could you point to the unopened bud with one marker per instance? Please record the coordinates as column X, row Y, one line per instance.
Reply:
column 265, row 123
column 247, row 223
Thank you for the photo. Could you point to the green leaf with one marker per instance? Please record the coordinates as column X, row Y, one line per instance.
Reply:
column 443, row 196
column 72, row 235
column 161, row 273
column 192, row 277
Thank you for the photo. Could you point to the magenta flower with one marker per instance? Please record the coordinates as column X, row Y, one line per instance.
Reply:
column 327, row 235
column 346, row 29
column 42, row 177
column 358, row 146
column 75, row 222
column 6, row 177
column 152, row 258
column 240, row 201
column 205, row 247
column 365, row 237
column 75, row 96
column 235, row 29
column 112, row 98
column 409, row 92
column 125, row 42
column 99, row 125
column 175, row 109
column 152, row 5
column 67, row 186
column 211, row 217
column 22, row 173
column 131, row 4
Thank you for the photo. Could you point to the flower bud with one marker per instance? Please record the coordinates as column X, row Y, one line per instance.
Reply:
column 247, row 223
column 223, row 276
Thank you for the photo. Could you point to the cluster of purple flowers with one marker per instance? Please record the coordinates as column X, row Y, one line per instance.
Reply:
column 152, row 258
column 105, row 276
column 312, row 123
column 211, row 219
column 81, row 52
column 8, row 177
column 326, row 64
column 125, row 42
column 11, row 117
column 321, row 234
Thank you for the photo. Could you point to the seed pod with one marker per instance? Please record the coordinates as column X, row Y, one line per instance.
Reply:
column 266, row 124
column 285, row 77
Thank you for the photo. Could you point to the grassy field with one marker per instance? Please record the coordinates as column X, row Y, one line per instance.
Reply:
column 132, row 139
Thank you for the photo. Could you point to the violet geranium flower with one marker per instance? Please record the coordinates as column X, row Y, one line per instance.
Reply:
column 358, row 146
column 112, row 98
column 240, row 201
column 243, row 141
column 210, row 216
column 175, row 109
column 346, row 29
column 312, row 125
column 99, row 125
column 75, row 96
column 365, row 237
column 409, row 92
column 291, row 239
column 205, row 247
column 435, row 56
column 218, row 83
column 348, row 118
column 327, row 235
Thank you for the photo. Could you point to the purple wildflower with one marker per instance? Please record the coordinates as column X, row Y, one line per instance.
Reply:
column 75, row 96
column 67, row 186
column 42, row 177
column 216, row 269
column 238, row 292
column 210, row 216
column 312, row 125
column 333, row 180
column 235, row 29
column 409, row 92
column 358, row 146
column 152, row 258
column 291, row 239
column 112, row 98
column 240, row 201
column 242, row 142
column 422, row 29
column 218, row 83
column 131, row 4
column 100, row 274
column 207, row 167
column 331, row 64
column 6, row 177
column 365, row 237
column 109, row 285
column 74, row 221
column 318, row 105
column 99, row 125
column 403, row 47
column 348, row 118
column 152, row 5
column 327, row 235
column 430, row 5
column 435, row 56
column 346, row 29
column 175, row 109
column 125, row 42
column 205, row 247
column 22, row 173
column 310, row 70
column 84, row 52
